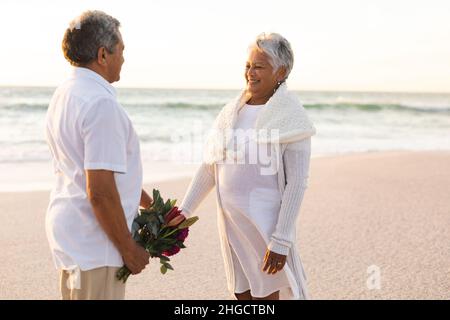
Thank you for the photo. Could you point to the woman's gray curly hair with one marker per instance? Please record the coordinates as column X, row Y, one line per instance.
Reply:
column 86, row 34
column 277, row 48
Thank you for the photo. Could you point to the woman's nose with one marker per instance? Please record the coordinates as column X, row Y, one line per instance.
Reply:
column 251, row 71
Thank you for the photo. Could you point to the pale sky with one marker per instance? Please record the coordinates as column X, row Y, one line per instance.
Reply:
column 354, row 45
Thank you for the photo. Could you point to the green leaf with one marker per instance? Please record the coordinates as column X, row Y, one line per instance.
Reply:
column 154, row 229
column 163, row 258
column 141, row 220
column 188, row 222
column 163, row 269
column 167, row 207
column 168, row 266
column 167, row 240
column 161, row 219
column 135, row 228
column 181, row 245
column 153, row 252
column 156, row 194
column 157, row 201
column 173, row 202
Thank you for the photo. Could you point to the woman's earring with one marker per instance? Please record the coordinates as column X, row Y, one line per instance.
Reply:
column 277, row 86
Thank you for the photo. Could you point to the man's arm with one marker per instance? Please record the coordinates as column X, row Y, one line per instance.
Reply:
column 105, row 200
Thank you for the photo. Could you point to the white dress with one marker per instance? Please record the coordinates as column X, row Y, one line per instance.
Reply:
column 251, row 202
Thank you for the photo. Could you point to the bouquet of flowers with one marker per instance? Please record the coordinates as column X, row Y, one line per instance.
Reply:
column 161, row 229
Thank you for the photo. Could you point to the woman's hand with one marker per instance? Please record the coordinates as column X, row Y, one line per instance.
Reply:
column 146, row 201
column 273, row 262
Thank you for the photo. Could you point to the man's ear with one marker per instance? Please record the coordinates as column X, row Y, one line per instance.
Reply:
column 101, row 56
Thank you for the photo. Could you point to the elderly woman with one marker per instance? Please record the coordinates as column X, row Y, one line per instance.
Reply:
column 258, row 158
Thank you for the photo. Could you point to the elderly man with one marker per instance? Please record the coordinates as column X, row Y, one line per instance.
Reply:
column 97, row 163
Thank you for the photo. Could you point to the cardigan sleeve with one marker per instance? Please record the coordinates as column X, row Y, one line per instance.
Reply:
column 296, row 160
column 200, row 186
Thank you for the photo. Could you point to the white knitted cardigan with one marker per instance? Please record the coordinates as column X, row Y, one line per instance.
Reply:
column 285, row 113
column 282, row 120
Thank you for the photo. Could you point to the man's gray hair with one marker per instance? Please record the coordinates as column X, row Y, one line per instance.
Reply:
column 277, row 48
column 86, row 34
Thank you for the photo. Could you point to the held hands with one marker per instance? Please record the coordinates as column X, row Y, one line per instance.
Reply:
column 146, row 200
column 273, row 262
column 134, row 256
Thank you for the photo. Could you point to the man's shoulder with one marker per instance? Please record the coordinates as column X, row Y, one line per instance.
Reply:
column 83, row 93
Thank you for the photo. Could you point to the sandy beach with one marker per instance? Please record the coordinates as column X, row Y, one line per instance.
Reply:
column 385, row 209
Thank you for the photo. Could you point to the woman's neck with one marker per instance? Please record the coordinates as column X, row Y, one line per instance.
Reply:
column 258, row 100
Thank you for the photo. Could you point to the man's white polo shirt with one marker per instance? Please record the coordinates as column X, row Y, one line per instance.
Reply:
column 88, row 129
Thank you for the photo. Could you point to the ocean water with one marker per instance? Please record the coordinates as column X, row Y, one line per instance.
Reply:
column 170, row 122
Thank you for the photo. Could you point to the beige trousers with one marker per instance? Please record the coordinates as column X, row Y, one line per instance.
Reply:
column 95, row 284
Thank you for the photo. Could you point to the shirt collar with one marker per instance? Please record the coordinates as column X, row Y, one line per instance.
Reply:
column 78, row 72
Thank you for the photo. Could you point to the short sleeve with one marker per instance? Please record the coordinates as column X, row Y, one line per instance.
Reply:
column 105, row 135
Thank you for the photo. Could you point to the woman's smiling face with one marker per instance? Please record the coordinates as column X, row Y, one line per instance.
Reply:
column 260, row 76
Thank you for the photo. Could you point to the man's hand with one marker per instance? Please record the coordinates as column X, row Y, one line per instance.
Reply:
column 105, row 200
column 273, row 262
column 135, row 257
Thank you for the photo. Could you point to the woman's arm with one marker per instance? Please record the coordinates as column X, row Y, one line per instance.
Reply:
column 296, row 160
column 146, row 201
column 200, row 186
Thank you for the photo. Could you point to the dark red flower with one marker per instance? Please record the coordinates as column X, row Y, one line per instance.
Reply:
column 182, row 235
column 171, row 214
column 171, row 251
column 175, row 222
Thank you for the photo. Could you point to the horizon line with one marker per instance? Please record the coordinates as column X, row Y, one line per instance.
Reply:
column 237, row 89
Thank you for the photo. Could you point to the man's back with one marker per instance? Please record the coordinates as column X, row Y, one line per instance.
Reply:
column 88, row 129
column 97, row 162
